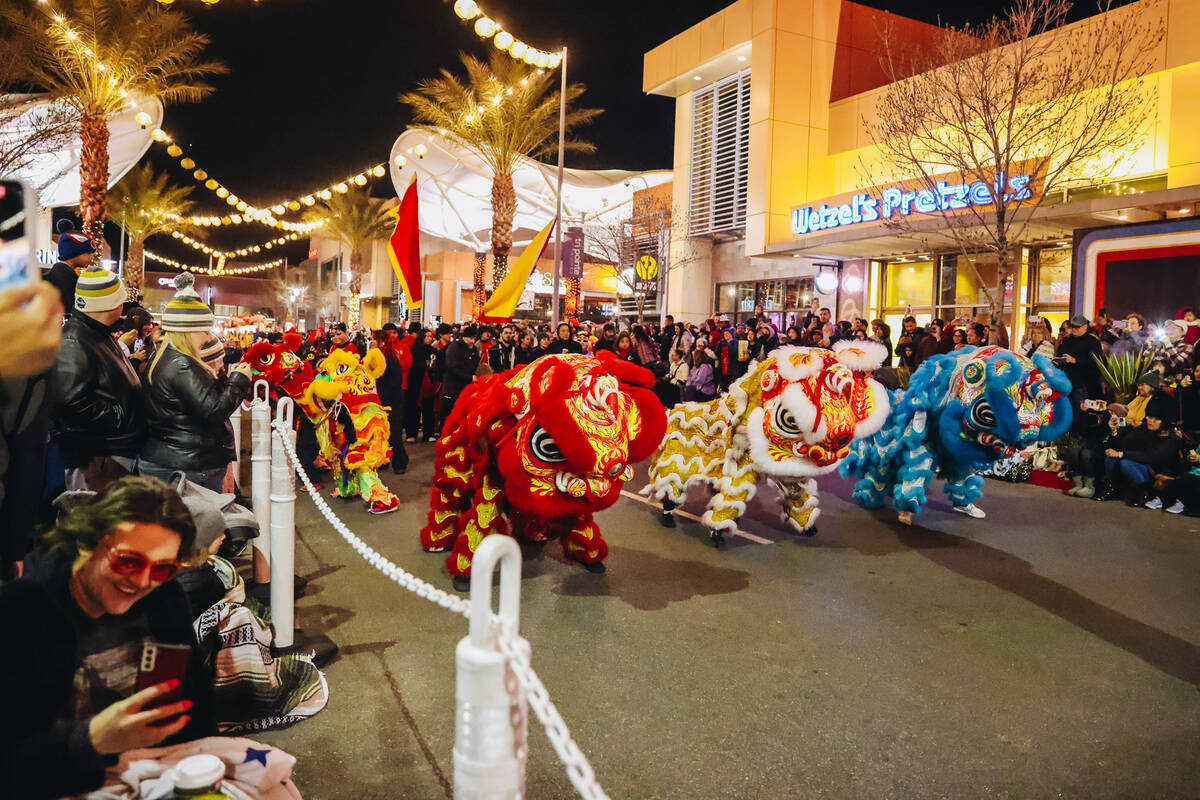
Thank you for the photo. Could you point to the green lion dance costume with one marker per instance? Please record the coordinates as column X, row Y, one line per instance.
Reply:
column 791, row 418
column 962, row 411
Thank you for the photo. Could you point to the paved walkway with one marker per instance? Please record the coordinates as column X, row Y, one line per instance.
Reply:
column 1047, row 651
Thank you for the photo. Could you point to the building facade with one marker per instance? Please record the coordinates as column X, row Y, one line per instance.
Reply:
column 773, row 100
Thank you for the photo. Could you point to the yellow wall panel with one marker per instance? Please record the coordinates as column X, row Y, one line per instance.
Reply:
column 779, row 229
column 789, row 166
column 739, row 23
column 758, row 170
column 1183, row 33
column 795, row 16
column 826, row 14
column 687, row 50
column 763, row 16
column 820, row 82
column 1186, row 175
column 843, row 126
column 712, row 37
column 756, row 234
column 789, row 78
column 657, row 67
column 1185, row 117
column 762, row 57
column 820, row 168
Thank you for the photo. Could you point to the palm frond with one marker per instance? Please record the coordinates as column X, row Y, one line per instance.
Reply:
column 145, row 205
column 1121, row 372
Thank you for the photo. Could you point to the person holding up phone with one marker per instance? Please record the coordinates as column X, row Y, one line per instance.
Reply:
column 97, row 590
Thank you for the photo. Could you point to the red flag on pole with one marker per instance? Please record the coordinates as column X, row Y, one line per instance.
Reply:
column 404, row 246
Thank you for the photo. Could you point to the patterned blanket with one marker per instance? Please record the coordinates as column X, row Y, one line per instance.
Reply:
column 254, row 689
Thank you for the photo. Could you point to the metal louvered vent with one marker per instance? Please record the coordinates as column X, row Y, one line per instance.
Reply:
column 720, row 149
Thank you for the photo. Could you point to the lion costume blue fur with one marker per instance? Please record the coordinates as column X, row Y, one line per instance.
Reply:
column 962, row 411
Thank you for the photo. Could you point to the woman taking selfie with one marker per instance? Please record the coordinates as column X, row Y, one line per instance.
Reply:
column 187, row 405
column 98, row 587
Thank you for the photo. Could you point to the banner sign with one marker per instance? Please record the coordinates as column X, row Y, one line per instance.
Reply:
column 572, row 260
column 646, row 273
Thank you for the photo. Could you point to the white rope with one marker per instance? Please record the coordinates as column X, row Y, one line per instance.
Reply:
column 579, row 769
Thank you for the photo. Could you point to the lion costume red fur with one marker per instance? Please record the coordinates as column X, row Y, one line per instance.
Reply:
column 534, row 452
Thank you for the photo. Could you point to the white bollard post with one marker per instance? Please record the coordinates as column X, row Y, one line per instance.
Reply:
column 491, row 711
column 235, row 420
column 260, row 467
column 283, row 529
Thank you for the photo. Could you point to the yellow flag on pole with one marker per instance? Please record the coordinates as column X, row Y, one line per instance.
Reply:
column 501, row 306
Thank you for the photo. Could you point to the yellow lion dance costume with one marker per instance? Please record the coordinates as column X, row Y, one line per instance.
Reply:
column 357, row 450
column 792, row 417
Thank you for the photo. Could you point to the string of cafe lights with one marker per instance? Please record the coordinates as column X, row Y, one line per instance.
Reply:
column 219, row 269
column 488, row 28
column 238, row 219
column 244, row 251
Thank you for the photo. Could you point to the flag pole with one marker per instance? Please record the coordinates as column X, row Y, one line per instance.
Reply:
column 562, row 132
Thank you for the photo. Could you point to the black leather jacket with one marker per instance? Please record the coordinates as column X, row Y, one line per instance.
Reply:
column 100, row 409
column 188, row 410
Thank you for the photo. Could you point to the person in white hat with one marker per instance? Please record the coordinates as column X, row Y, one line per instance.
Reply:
column 100, row 421
column 187, row 403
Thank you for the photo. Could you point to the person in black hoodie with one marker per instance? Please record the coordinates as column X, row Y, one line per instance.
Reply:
column 563, row 342
column 75, row 253
column 97, row 588
column 1136, row 453
column 462, row 359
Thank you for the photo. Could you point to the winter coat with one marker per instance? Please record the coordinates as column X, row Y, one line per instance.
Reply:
column 100, row 409
column 462, row 360
column 1156, row 449
column 559, row 346
column 187, row 409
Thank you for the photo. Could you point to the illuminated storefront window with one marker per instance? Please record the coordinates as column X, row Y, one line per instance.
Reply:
column 782, row 301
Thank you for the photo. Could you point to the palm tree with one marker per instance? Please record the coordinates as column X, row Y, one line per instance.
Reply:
column 501, row 113
column 147, row 206
column 98, row 56
column 355, row 220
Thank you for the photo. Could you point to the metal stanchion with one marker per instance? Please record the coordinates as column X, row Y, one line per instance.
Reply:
column 260, row 469
column 283, row 528
column 491, row 714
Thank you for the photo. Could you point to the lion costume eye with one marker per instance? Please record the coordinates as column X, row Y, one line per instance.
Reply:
column 342, row 369
column 543, row 446
column 784, row 422
column 268, row 359
column 982, row 415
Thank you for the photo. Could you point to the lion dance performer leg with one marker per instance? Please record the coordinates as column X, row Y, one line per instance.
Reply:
column 535, row 452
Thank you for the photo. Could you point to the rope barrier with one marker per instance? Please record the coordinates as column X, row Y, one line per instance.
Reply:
column 579, row 769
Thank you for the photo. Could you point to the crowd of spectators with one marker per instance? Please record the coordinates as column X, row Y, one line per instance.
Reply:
column 112, row 402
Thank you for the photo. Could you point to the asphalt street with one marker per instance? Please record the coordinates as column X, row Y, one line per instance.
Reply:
column 1050, row 650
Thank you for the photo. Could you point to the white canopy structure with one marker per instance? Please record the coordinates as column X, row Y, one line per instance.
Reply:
column 454, row 190
column 57, row 171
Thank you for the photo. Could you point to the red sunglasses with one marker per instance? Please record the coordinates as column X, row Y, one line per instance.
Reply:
column 131, row 562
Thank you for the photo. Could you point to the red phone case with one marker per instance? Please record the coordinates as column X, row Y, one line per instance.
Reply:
column 160, row 663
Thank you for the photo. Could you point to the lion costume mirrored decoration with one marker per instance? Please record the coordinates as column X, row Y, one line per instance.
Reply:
column 534, row 452
column 789, row 419
column 961, row 411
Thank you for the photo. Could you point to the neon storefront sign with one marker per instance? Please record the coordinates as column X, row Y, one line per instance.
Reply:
column 867, row 208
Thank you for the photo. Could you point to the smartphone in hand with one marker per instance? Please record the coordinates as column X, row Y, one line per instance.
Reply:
column 160, row 663
column 17, row 264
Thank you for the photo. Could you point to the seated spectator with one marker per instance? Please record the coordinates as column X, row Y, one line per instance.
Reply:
column 701, row 385
column 1136, row 453
column 1189, row 405
column 96, row 588
column 882, row 333
column 795, row 336
column 976, row 335
column 906, row 357
column 625, row 350
column 1148, row 387
column 958, row 339
column 669, row 387
column 1094, row 424
column 1182, row 495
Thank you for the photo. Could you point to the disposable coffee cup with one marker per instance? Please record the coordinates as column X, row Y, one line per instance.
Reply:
column 199, row 772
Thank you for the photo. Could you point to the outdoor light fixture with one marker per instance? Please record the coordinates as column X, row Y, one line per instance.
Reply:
column 852, row 283
column 503, row 40
column 466, row 9
column 400, row 161
column 420, row 150
column 827, row 278
column 143, row 119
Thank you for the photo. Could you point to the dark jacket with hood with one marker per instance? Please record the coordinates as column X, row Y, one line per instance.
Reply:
column 188, row 411
column 44, row 752
column 100, row 409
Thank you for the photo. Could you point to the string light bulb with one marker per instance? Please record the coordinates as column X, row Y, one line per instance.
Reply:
column 360, row 180
column 143, row 119
column 200, row 175
column 187, row 163
column 518, row 50
column 485, row 27
column 341, row 188
column 503, row 40
column 466, row 9
column 308, row 200
column 159, row 135
column 421, row 150
column 211, row 185
column 400, row 161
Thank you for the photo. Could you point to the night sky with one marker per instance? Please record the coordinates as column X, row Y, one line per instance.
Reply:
column 311, row 95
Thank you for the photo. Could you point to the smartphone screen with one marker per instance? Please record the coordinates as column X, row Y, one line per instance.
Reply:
column 16, row 234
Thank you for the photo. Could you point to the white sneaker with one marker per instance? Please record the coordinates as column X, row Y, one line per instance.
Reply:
column 1154, row 503
column 971, row 510
column 1177, row 508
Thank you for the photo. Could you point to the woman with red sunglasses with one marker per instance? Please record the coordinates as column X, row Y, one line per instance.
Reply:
column 99, row 586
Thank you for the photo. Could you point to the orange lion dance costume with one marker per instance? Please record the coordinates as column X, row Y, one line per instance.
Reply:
column 534, row 452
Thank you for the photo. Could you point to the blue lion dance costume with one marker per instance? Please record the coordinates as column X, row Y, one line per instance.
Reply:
column 962, row 411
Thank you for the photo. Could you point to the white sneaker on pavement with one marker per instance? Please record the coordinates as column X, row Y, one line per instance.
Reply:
column 1154, row 503
column 1177, row 508
column 971, row 510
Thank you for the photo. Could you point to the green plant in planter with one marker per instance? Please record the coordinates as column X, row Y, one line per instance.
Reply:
column 1121, row 372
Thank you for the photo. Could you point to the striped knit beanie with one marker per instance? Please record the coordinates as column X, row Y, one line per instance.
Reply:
column 212, row 352
column 98, row 290
column 186, row 312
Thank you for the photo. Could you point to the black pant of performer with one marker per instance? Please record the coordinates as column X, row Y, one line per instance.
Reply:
column 307, row 449
column 395, row 404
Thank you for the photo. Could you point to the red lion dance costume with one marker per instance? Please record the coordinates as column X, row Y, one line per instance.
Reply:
column 534, row 452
